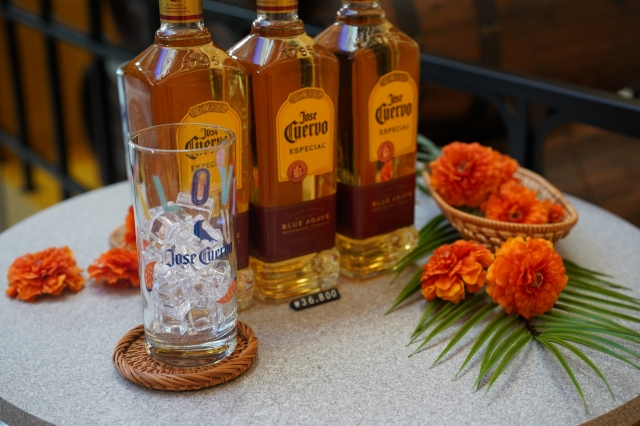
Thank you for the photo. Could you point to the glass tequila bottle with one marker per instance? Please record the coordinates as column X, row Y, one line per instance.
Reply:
column 379, row 69
column 294, row 88
column 185, row 77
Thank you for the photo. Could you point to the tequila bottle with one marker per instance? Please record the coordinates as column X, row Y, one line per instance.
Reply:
column 379, row 70
column 294, row 88
column 184, row 77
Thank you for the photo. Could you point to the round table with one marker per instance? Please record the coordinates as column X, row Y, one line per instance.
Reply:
column 342, row 362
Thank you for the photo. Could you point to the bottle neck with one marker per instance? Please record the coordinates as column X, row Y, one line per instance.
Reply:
column 279, row 20
column 182, row 24
column 355, row 12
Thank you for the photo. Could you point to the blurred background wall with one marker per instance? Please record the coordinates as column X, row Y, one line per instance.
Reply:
column 592, row 43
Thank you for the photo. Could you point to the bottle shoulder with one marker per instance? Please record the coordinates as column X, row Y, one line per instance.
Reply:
column 343, row 38
column 160, row 63
column 259, row 53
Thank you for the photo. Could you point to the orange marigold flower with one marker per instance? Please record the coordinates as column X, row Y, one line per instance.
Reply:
column 454, row 267
column 515, row 203
column 45, row 272
column 385, row 173
column 465, row 174
column 118, row 267
column 555, row 212
column 526, row 277
column 506, row 165
column 129, row 238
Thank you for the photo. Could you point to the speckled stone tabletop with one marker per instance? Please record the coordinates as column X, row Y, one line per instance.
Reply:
column 343, row 362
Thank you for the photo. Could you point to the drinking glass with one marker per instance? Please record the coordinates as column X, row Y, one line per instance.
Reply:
column 183, row 181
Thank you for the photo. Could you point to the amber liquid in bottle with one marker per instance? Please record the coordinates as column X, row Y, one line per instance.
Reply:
column 184, row 77
column 285, row 65
column 379, row 67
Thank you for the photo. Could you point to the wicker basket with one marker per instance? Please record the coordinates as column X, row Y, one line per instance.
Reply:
column 493, row 233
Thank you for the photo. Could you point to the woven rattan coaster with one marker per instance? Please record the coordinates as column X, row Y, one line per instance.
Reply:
column 132, row 361
column 116, row 239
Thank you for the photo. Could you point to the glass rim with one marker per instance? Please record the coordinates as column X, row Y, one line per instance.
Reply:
column 157, row 127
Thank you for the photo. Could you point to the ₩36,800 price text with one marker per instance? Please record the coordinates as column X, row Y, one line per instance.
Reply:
column 315, row 299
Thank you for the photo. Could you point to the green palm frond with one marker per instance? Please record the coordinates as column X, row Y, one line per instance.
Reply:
column 566, row 366
column 468, row 325
column 427, row 149
column 498, row 345
column 419, row 185
column 584, row 358
column 458, row 312
column 482, row 338
column 587, row 314
column 519, row 343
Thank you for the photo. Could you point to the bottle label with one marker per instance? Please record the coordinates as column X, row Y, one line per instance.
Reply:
column 180, row 11
column 364, row 211
column 210, row 161
column 294, row 230
column 277, row 6
column 393, row 118
column 220, row 114
column 305, row 135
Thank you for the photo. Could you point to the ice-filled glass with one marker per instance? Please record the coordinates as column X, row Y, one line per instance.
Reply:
column 183, row 183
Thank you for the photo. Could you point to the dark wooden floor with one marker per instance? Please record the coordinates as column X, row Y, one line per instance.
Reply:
column 600, row 167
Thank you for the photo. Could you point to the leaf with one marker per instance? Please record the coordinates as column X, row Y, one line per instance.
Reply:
column 594, row 288
column 432, row 150
column 575, row 266
column 559, row 308
column 574, row 295
column 432, row 224
column 468, row 325
column 597, row 346
column 482, row 337
column 557, row 316
column 587, row 334
column 422, row 189
column 508, row 356
column 583, row 357
column 458, row 312
column 585, row 276
column 604, row 311
column 431, row 306
column 579, row 329
column 567, row 368
column 446, row 309
column 504, row 327
column 499, row 352
column 410, row 289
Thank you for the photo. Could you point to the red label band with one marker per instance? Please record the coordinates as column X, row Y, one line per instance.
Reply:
column 283, row 233
column 242, row 239
column 181, row 18
column 277, row 8
column 366, row 211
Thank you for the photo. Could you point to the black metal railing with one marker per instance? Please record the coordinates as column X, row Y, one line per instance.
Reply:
column 511, row 94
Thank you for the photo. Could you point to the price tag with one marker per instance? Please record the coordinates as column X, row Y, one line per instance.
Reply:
column 315, row 299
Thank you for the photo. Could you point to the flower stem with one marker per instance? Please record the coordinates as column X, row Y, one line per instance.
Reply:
column 529, row 326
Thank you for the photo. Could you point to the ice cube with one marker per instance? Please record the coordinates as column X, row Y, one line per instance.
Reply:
column 199, row 319
column 186, row 205
column 151, row 254
column 201, row 290
column 172, row 297
column 163, row 229
column 221, row 271
column 173, row 325
column 185, row 218
column 219, row 277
